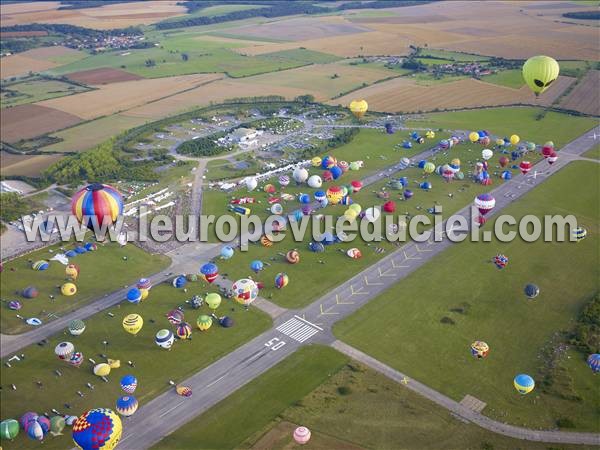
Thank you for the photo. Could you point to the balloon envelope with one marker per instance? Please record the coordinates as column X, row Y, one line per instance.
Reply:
column 97, row 202
column 99, row 428
column 524, row 384
column 539, row 72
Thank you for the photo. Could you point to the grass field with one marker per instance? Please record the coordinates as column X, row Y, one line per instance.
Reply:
column 575, row 68
column 153, row 366
column 224, row 169
column 456, row 56
column 254, row 406
column 593, row 152
column 35, row 90
column 303, row 389
column 560, row 128
column 403, row 324
column 204, row 56
column 99, row 275
column 434, row 61
column 510, row 78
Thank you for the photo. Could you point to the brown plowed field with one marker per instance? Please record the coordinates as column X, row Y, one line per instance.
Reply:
column 25, row 165
column 29, row 121
column 106, row 75
column 586, row 95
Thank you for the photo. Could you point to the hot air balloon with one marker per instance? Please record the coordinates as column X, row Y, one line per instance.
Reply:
column 209, row 272
column 76, row 359
column 300, row 174
column 40, row 265
column 336, row 172
column 389, row 207
column 68, row 289
column 473, row 136
column 506, row 175
column 27, row 417
column 37, row 427
column 503, row 161
column 96, row 203
column 179, row 281
column 57, row 424
column 144, row 283
column 184, row 391
column 484, row 203
column 327, row 176
column 524, row 384
column 90, row 247
column 407, row 145
column 354, row 253
column 204, row 322
column 539, row 72
column 266, row 240
column 486, row 154
column 213, row 300
column 315, row 182
column 9, row 429
column 64, row 350
column 270, row 189
column 30, row 292
column 101, row 370
column 245, row 291
column 479, row 349
column 593, row 362
column 500, row 261
column 281, row 280
column 256, row 266
column 164, row 339
column 425, row 185
column 579, row 233
column 301, row 435
column 316, row 247
column 552, row 158
column 284, row 180
column 72, row 271
column 344, row 166
column 129, row 384
column 70, row 420
column 97, row 429
column 15, row 305
column 328, row 162
column 293, row 257
column 428, row 167
column 76, row 327
column 525, row 167
column 226, row 322
column 251, row 183
column 304, row 198
column 127, row 405
column 515, row 139
column 334, row 195
column 133, row 323
column 407, row 194
column 175, row 316
column 227, row 252
column 531, row 291
column 316, row 161
column 134, row 295
column 359, row 108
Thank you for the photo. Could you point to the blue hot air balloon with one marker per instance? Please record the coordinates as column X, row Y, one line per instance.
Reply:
column 593, row 362
column 179, row 281
column 129, row 383
column 422, row 163
column 127, row 405
column 256, row 266
column 316, row 247
column 134, row 295
column 227, row 252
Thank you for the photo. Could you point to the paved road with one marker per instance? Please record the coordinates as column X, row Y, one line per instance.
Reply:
column 313, row 324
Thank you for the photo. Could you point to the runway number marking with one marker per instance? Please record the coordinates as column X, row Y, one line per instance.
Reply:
column 298, row 329
column 275, row 343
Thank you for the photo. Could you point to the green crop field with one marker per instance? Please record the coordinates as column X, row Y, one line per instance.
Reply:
column 402, row 327
column 434, row 61
column 509, row 78
column 154, row 366
column 102, row 272
column 35, row 90
column 576, row 68
column 558, row 127
column 303, row 389
column 204, row 56
column 224, row 169
column 456, row 56
column 255, row 405
column 213, row 11
column 303, row 55
column 593, row 152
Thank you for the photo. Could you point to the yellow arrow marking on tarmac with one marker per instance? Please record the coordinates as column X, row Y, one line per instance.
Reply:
column 357, row 291
column 385, row 274
column 338, row 302
column 326, row 312
column 371, row 283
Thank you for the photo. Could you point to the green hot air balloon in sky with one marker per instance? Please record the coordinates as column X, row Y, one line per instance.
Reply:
column 539, row 72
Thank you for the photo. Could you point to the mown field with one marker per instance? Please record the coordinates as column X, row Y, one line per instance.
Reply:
column 593, row 152
column 510, row 78
column 102, row 272
column 25, row 165
column 154, row 366
column 484, row 303
column 35, row 90
column 304, row 389
column 557, row 127
column 585, row 96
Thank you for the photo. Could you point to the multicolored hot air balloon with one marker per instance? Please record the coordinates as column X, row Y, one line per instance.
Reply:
column 245, row 291
column 301, row 435
column 480, row 349
column 97, row 202
column 97, row 429
column 358, row 108
column 209, row 271
column 129, row 384
column 64, row 350
column 133, row 323
column 175, row 316
column 144, row 283
column 184, row 391
column 593, row 362
column 183, row 331
column 524, row 384
column 204, row 322
column 525, row 167
column 127, row 405
column 484, row 203
column 30, row 292
column 14, row 305
column 539, row 72
column 293, row 256
column 72, row 271
column 281, row 280
column 37, row 427
column 579, row 233
column 40, row 265
column 500, row 261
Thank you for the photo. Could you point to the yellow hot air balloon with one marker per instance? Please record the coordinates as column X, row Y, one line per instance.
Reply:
column 145, row 293
column 316, row 161
column 359, row 108
column 68, row 289
column 473, row 136
column 133, row 323
column 101, row 370
column 539, row 72
column 514, row 139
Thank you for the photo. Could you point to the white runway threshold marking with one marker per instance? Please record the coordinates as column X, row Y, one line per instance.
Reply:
column 298, row 329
